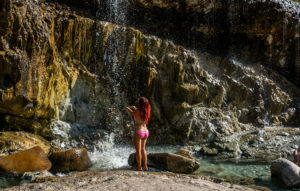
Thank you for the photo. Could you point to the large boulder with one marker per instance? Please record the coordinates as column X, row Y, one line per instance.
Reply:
column 75, row 159
column 170, row 162
column 287, row 171
column 29, row 160
column 11, row 142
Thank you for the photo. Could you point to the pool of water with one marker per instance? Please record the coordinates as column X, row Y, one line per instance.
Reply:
column 248, row 174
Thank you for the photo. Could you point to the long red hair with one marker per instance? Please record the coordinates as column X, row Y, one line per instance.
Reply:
column 144, row 108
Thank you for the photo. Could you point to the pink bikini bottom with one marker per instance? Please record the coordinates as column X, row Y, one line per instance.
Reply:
column 143, row 134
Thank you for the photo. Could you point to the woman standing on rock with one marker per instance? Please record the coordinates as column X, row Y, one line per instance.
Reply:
column 141, row 115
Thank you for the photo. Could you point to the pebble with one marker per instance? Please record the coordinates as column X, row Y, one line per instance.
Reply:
column 260, row 139
column 295, row 146
column 285, row 134
column 260, row 132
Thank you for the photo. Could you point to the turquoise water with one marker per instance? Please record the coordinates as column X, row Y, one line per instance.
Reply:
column 242, row 173
column 9, row 180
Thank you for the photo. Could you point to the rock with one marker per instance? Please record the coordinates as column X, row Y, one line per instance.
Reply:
column 11, row 142
column 75, row 159
column 31, row 176
column 185, row 153
column 174, row 163
column 170, row 162
column 285, row 134
column 260, row 132
column 209, row 151
column 287, row 171
column 260, row 139
column 132, row 162
column 29, row 160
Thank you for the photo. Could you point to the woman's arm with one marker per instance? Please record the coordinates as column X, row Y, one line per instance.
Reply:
column 131, row 109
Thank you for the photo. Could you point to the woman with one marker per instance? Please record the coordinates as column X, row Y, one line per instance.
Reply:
column 141, row 115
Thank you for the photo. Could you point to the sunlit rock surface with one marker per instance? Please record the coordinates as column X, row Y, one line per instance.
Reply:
column 129, row 180
column 11, row 142
column 76, row 159
column 66, row 75
column 30, row 160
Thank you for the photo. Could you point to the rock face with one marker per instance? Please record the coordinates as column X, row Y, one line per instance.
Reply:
column 76, row 159
column 29, row 160
column 11, row 142
column 240, row 28
column 65, row 74
column 178, row 163
column 287, row 171
column 258, row 144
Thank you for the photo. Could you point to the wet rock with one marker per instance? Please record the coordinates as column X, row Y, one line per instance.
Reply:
column 260, row 132
column 174, row 162
column 185, row 153
column 209, row 151
column 170, row 162
column 31, row 176
column 250, row 146
column 29, row 160
column 287, row 171
column 11, row 142
column 76, row 159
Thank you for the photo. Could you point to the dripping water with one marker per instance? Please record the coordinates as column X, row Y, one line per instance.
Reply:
column 266, row 105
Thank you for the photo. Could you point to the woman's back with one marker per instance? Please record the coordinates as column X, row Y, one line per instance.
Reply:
column 139, row 124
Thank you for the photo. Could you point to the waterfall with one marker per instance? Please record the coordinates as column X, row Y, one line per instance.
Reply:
column 266, row 105
column 114, row 11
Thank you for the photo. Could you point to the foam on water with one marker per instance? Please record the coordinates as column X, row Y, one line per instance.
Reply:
column 115, row 157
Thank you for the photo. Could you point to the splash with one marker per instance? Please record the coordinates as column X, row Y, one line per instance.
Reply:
column 112, row 157
column 116, row 157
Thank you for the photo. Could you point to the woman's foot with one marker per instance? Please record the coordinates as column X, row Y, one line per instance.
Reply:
column 139, row 169
column 145, row 169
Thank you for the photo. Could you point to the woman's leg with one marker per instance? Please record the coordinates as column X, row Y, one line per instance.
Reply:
column 144, row 154
column 137, row 145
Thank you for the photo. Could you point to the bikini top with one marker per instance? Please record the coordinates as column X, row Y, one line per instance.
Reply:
column 140, row 122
